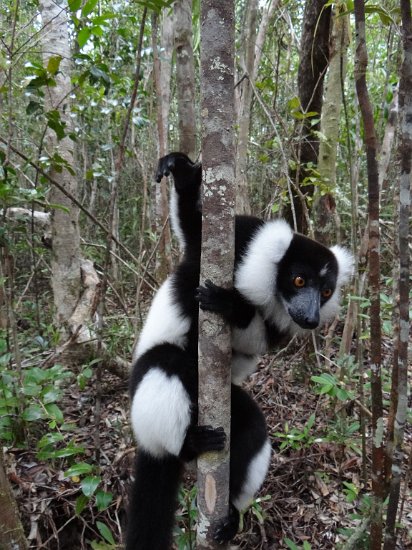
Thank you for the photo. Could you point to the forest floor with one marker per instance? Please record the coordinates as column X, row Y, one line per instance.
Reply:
column 313, row 494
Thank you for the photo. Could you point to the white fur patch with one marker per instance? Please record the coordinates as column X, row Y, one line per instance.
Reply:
column 345, row 264
column 250, row 340
column 256, row 275
column 242, row 367
column 165, row 322
column 345, row 269
column 160, row 413
column 255, row 476
column 323, row 271
column 175, row 219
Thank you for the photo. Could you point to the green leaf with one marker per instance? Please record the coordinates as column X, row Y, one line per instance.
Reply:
column 88, row 7
column 294, row 103
column 33, row 412
column 103, row 500
column 99, row 74
column 342, row 394
column 55, row 123
column 70, row 450
column 32, row 389
column 83, row 36
column 81, row 503
column 54, row 412
column 33, row 107
column 50, row 439
column 102, row 19
column 74, row 5
column 78, row 469
column 89, row 485
column 54, row 64
column 51, row 394
column 97, row 30
column 290, row 544
column 105, row 532
column 310, row 422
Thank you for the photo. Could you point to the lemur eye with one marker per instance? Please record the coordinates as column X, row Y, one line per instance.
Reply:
column 327, row 293
column 299, row 282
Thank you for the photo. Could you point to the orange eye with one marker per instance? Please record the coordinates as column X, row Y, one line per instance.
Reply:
column 299, row 282
column 327, row 293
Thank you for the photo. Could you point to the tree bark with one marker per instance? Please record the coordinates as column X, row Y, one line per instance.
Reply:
column 162, row 67
column 325, row 206
column 361, row 62
column 401, row 357
column 185, row 77
column 250, row 56
column 217, row 78
column 245, row 90
column 311, row 73
column 11, row 530
column 65, row 260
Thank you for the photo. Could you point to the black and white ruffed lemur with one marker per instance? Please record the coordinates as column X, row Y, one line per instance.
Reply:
column 284, row 283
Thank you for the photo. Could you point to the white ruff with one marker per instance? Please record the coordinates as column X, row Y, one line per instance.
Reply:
column 256, row 275
column 255, row 476
column 160, row 413
column 345, row 268
column 345, row 264
column 165, row 322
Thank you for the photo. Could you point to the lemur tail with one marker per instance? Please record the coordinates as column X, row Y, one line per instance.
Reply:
column 153, row 502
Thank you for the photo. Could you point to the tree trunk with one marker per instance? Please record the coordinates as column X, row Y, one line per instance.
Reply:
column 11, row 530
column 250, row 56
column 65, row 261
column 312, row 67
column 162, row 73
column 325, row 206
column 401, row 363
column 361, row 62
column 185, row 77
column 247, row 62
column 217, row 84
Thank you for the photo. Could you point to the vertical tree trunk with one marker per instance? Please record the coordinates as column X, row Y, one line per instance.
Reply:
column 65, row 262
column 325, row 211
column 247, row 62
column 185, row 77
column 361, row 63
column 217, row 78
column 11, row 530
column 251, row 47
column 311, row 73
column 401, row 364
column 162, row 67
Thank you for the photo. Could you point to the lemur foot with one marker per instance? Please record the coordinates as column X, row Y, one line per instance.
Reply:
column 202, row 439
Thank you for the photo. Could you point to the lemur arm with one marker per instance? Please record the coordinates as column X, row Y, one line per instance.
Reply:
column 187, row 174
column 227, row 302
column 185, row 208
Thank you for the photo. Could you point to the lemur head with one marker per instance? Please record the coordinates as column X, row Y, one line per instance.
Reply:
column 294, row 279
column 307, row 279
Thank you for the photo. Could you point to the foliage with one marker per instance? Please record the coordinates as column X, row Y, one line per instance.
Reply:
column 295, row 438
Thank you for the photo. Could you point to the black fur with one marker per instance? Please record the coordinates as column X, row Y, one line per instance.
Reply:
column 154, row 492
column 304, row 257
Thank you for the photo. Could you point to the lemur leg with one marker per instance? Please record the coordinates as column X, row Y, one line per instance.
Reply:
column 250, row 453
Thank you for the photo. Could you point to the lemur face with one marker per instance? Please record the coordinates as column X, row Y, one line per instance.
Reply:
column 306, row 280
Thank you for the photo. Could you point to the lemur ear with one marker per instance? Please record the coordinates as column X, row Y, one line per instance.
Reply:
column 345, row 264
